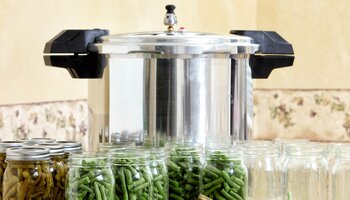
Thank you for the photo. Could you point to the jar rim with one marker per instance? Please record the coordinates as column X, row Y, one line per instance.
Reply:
column 9, row 144
column 305, row 150
column 27, row 153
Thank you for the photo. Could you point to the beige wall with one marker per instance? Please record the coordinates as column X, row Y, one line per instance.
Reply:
column 25, row 26
column 319, row 32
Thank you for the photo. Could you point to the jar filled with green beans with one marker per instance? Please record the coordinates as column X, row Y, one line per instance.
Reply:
column 58, row 169
column 90, row 176
column 159, row 172
column 185, row 164
column 107, row 147
column 3, row 146
column 27, row 175
column 224, row 174
column 133, row 176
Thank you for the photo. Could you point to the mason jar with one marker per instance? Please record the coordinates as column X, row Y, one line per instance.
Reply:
column 305, row 173
column 185, row 165
column 90, row 176
column 284, row 143
column 107, row 147
column 265, row 171
column 224, row 173
column 58, row 169
column 160, row 182
column 340, row 172
column 132, row 173
column 3, row 146
column 27, row 175
column 69, row 147
column 39, row 140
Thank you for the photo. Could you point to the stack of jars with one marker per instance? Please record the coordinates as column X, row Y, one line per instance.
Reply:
column 35, row 168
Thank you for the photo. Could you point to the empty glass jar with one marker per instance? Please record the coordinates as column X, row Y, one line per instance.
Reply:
column 305, row 173
column 340, row 174
column 265, row 171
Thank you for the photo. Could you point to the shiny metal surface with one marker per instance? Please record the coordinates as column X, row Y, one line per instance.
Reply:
column 186, row 87
column 241, row 99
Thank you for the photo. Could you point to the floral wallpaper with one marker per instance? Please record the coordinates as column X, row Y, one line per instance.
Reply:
column 62, row 120
column 322, row 115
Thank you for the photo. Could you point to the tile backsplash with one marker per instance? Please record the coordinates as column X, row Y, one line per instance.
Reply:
column 322, row 115
column 61, row 120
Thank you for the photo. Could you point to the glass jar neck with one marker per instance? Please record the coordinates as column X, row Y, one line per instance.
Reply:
column 343, row 152
column 306, row 151
column 262, row 149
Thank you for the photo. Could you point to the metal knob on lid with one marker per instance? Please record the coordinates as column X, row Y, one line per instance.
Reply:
column 27, row 153
column 170, row 18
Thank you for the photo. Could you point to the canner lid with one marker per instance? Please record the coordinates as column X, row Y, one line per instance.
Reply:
column 177, row 42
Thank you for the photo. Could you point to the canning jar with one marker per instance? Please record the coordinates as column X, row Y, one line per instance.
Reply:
column 106, row 147
column 90, row 176
column 185, row 166
column 340, row 172
column 160, row 182
column 224, row 173
column 265, row 171
column 58, row 169
column 39, row 140
column 3, row 146
column 27, row 175
column 133, row 176
column 305, row 173
column 284, row 143
column 69, row 147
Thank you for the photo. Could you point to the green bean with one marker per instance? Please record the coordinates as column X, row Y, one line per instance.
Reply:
column 92, row 180
column 133, row 177
column 185, row 171
column 25, row 179
column 223, row 178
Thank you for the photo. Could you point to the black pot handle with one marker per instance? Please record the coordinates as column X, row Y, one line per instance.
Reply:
column 83, row 61
column 274, row 52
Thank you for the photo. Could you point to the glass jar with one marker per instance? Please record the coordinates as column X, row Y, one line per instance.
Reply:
column 107, row 147
column 305, row 173
column 284, row 143
column 69, row 147
column 265, row 171
column 224, row 173
column 39, row 140
column 58, row 169
column 90, row 176
column 159, row 172
column 27, row 175
column 132, row 174
column 340, row 173
column 185, row 165
column 3, row 146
